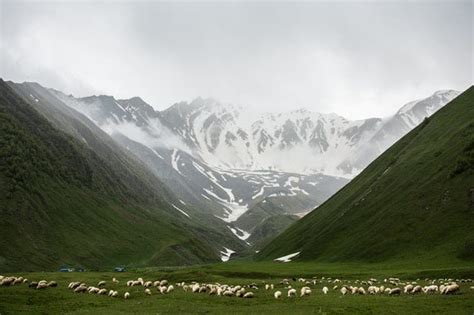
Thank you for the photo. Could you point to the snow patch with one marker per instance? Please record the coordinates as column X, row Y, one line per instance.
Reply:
column 287, row 258
column 182, row 211
column 225, row 255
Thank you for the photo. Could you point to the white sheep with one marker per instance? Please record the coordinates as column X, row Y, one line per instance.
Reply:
column 114, row 294
column 102, row 291
column 395, row 291
column 101, row 283
column 325, row 290
column 343, row 291
column 408, row 288
column 416, row 289
column 291, row 293
column 115, row 280
column 147, row 291
column 126, row 295
column 450, row 289
column 277, row 294
column 248, row 295
column 305, row 291
column 170, row 288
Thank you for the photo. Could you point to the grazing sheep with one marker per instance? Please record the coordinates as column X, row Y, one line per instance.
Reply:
column 277, row 294
column 325, row 290
column 111, row 292
column 7, row 281
column 163, row 282
column 430, row 289
column 114, row 294
column 80, row 289
column 361, row 291
column 147, row 291
column 126, row 295
column 162, row 289
column 271, row 286
column 395, row 291
column 343, row 291
column 248, row 295
column 148, row 284
column 228, row 293
column 305, row 291
column 291, row 293
column 101, row 283
column 450, row 289
column 129, row 283
column 416, row 289
column 115, row 280
column 170, row 289
column 33, row 284
column 267, row 286
column 408, row 288
column 102, row 292
column 52, row 284
column 41, row 285
column 93, row 290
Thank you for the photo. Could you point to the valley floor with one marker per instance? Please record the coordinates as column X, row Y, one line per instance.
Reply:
column 21, row 299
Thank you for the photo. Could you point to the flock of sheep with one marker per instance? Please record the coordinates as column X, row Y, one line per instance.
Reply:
column 390, row 286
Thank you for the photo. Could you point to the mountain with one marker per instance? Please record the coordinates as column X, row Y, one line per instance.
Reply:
column 228, row 163
column 71, row 195
column 414, row 202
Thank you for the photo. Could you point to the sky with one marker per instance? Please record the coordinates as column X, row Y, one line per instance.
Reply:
column 356, row 59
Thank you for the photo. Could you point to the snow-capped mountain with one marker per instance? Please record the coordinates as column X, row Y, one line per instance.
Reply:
column 222, row 160
column 300, row 141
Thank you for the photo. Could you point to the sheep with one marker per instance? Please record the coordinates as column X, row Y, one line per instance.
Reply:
column 335, row 287
column 147, row 291
column 148, row 284
column 305, row 291
column 93, row 290
column 163, row 282
column 361, row 291
column 291, row 293
column 114, row 294
column 408, row 288
column 170, row 289
column 373, row 289
column 115, row 280
column 450, row 289
column 203, row 289
column 277, row 294
column 101, row 283
column 416, row 289
column 228, row 293
column 126, row 295
column 395, row 291
column 325, row 290
column 129, row 283
column 7, row 281
column 102, row 292
column 271, row 286
column 52, row 284
column 267, row 286
column 33, row 284
column 80, row 289
column 42, row 285
column 430, row 289
column 163, row 289
column 248, row 295
column 343, row 290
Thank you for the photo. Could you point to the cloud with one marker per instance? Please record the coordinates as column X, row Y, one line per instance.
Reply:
column 357, row 59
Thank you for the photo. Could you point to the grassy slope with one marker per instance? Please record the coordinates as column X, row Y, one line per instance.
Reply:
column 61, row 204
column 61, row 300
column 412, row 203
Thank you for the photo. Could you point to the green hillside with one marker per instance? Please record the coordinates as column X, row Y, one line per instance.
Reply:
column 62, row 204
column 413, row 203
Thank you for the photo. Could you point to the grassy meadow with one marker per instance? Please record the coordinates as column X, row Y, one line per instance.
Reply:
column 22, row 299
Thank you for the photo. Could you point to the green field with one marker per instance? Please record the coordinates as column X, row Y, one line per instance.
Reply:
column 20, row 298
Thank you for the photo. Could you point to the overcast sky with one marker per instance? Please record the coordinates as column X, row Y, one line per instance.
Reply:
column 357, row 59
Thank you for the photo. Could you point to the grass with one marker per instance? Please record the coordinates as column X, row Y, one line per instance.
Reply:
column 20, row 298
